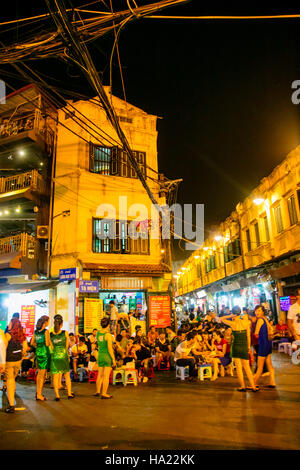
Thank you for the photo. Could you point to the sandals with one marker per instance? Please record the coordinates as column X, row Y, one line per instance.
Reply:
column 10, row 409
column 252, row 389
column 106, row 398
column 71, row 396
column 241, row 389
column 39, row 399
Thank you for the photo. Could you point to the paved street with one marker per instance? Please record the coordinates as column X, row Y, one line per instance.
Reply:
column 162, row 414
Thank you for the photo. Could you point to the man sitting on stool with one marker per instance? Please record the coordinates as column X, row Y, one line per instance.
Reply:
column 80, row 355
column 182, row 354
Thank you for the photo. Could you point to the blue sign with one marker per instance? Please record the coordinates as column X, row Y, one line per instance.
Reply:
column 67, row 274
column 285, row 303
column 88, row 286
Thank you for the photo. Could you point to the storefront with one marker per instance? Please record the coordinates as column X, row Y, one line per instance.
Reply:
column 30, row 304
column 127, row 302
column 134, row 289
column 139, row 307
column 248, row 297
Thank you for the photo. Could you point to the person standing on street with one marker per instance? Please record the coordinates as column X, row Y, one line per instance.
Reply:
column 240, row 346
column 41, row 341
column 293, row 318
column 16, row 349
column 114, row 315
column 3, row 345
column 59, row 363
column 106, row 359
column 263, row 331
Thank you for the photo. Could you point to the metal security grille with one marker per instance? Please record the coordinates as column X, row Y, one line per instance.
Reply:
column 100, row 161
column 113, row 236
column 114, row 161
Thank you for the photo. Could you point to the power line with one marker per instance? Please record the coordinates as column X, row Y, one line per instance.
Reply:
column 43, row 46
column 83, row 55
column 224, row 17
column 101, row 133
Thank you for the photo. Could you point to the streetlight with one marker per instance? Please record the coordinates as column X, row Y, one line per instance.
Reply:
column 258, row 200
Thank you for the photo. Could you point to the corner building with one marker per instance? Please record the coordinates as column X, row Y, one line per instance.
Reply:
column 92, row 170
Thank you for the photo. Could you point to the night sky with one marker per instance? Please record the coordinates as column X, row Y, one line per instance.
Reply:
column 223, row 89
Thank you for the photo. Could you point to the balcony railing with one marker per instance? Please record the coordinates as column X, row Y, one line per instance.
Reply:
column 21, row 243
column 10, row 127
column 31, row 180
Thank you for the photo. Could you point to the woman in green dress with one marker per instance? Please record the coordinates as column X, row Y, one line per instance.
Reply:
column 240, row 346
column 106, row 359
column 59, row 364
column 41, row 341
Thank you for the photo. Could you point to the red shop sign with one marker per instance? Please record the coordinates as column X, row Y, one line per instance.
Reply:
column 159, row 311
column 28, row 319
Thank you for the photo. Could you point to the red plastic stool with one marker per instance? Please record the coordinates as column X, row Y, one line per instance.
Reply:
column 31, row 375
column 93, row 374
column 150, row 373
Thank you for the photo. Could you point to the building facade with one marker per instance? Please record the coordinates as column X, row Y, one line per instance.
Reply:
column 254, row 255
column 74, row 217
column 27, row 146
column 94, row 184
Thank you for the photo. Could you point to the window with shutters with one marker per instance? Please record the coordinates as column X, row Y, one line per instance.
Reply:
column 257, row 236
column 115, row 161
column 113, row 236
column 199, row 273
column 267, row 232
column 278, row 218
column 210, row 263
column 232, row 250
column 248, row 240
column 292, row 210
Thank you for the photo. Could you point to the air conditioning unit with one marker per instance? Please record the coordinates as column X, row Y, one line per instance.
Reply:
column 42, row 231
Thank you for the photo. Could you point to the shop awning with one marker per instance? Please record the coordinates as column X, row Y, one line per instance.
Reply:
column 291, row 269
column 140, row 269
column 10, row 260
column 27, row 287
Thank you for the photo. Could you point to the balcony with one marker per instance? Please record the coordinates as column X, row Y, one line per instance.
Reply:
column 28, row 185
column 31, row 127
column 18, row 255
column 22, row 244
column 235, row 266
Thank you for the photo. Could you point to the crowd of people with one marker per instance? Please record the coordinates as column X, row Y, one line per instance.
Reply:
column 236, row 339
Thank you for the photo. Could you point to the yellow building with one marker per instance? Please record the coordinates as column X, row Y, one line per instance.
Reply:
column 254, row 255
column 92, row 171
column 60, row 172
